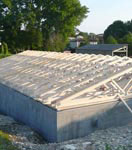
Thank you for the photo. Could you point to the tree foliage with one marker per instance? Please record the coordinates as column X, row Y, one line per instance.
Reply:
column 111, row 40
column 127, row 38
column 4, row 49
column 122, row 32
column 85, row 38
column 55, row 43
column 129, row 25
column 118, row 29
column 33, row 24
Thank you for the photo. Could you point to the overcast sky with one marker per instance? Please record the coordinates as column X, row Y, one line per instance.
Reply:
column 104, row 12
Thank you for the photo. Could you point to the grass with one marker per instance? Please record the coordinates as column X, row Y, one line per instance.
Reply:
column 4, row 55
column 5, row 143
column 108, row 147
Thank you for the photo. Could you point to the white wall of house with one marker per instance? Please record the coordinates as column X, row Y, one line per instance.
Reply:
column 74, row 44
column 93, row 43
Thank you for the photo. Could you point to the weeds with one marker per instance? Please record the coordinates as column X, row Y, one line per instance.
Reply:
column 5, row 143
column 108, row 147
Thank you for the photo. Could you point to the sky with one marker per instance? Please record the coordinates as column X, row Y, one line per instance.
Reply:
column 103, row 13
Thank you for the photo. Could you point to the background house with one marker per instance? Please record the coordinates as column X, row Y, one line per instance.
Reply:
column 104, row 49
column 93, row 39
column 75, row 41
column 96, row 39
column 100, row 38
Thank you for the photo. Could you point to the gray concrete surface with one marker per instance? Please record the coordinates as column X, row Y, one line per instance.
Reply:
column 29, row 111
column 79, row 122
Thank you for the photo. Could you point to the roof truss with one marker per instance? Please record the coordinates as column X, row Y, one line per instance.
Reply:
column 64, row 80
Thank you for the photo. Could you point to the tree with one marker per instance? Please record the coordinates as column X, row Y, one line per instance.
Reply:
column 27, row 19
column 85, row 38
column 118, row 29
column 129, row 25
column 111, row 40
column 127, row 39
column 56, row 43
column 4, row 49
column 122, row 32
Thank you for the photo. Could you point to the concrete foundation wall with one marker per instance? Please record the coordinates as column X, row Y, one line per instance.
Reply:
column 29, row 111
column 79, row 122
column 62, row 125
column 84, row 51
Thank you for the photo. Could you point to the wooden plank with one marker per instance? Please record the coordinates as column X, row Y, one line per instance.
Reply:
column 124, row 102
column 118, row 86
column 97, row 85
column 127, row 84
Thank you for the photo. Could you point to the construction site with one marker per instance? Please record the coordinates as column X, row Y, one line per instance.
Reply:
column 65, row 96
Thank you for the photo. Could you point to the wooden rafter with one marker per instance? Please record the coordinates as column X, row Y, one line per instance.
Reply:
column 63, row 78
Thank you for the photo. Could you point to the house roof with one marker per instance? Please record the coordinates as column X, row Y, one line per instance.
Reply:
column 107, row 47
column 65, row 80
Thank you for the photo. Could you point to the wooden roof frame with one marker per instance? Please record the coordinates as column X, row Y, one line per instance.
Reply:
column 59, row 79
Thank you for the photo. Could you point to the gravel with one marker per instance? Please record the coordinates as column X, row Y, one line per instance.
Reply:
column 25, row 138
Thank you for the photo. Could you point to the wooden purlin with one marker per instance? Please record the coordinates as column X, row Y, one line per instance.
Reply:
column 116, row 85
column 57, row 62
column 26, row 70
column 65, row 77
column 127, row 84
column 129, row 90
column 86, row 79
column 51, row 99
column 95, row 86
column 86, row 71
column 117, row 60
column 71, row 73
column 84, row 102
